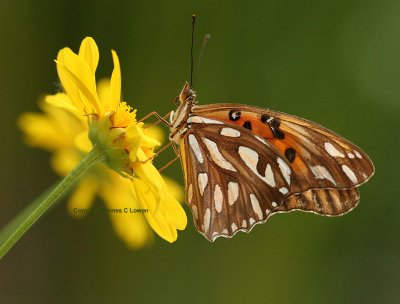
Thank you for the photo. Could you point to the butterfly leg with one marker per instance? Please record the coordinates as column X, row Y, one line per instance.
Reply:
column 168, row 164
column 158, row 152
column 162, row 149
column 176, row 149
column 159, row 117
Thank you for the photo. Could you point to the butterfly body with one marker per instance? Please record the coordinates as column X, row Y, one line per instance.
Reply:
column 243, row 163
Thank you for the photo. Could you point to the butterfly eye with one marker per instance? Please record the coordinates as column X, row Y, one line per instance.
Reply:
column 177, row 101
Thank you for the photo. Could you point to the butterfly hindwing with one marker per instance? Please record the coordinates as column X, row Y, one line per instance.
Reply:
column 328, row 201
column 233, row 178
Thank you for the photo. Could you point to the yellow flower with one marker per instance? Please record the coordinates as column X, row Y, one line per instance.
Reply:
column 89, row 115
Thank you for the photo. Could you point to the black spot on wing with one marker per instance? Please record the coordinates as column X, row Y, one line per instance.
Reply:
column 290, row 154
column 247, row 124
column 264, row 118
column 275, row 124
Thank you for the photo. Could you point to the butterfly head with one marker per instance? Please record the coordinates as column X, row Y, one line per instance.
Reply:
column 186, row 95
column 178, row 119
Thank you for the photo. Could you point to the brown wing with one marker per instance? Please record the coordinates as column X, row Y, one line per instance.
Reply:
column 233, row 178
column 326, row 167
column 319, row 158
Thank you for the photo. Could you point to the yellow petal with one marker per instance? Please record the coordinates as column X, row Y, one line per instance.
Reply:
column 132, row 228
column 103, row 91
column 70, row 88
column 89, row 52
column 78, row 81
column 136, row 139
column 55, row 129
column 160, row 226
column 82, row 197
column 64, row 160
column 62, row 101
column 174, row 188
column 39, row 131
column 133, row 137
column 163, row 223
column 156, row 133
column 150, row 175
column 174, row 212
column 115, row 85
column 82, row 142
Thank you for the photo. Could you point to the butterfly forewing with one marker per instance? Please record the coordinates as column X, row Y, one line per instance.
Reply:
column 318, row 157
column 233, row 179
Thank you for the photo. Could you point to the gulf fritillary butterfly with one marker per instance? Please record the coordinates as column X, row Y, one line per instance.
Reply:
column 243, row 163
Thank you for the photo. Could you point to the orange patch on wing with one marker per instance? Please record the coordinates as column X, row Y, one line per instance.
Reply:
column 257, row 126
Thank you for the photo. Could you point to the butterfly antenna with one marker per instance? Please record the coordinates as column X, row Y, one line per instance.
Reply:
column 194, row 73
column 203, row 47
column 191, row 51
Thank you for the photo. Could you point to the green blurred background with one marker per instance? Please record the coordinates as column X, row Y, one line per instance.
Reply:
column 335, row 62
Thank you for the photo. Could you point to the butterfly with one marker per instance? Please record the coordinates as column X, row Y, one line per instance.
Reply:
column 243, row 163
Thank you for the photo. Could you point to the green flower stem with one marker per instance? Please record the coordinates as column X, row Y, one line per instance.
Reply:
column 13, row 231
